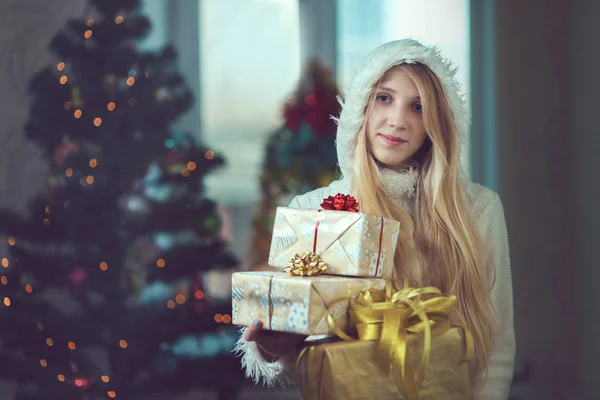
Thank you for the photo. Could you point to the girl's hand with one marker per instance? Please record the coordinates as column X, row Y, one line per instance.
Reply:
column 272, row 344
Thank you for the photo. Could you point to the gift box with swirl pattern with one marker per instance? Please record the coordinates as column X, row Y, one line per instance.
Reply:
column 349, row 243
column 294, row 303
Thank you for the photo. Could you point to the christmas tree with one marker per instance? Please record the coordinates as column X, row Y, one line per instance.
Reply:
column 300, row 155
column 106, row 288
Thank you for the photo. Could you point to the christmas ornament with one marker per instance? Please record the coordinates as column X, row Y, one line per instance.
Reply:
column 136, row 205
column 306, row 264
column 209, row 345
column 166, row 241
column 164, row 193
column 63, row 150
column 154, row 293
column 78, row 276
column 181, row 139
column 55, row 182
column 340, row 202
column 153, row 174
column 161, row 95
column 75, row 97
column 133, row 72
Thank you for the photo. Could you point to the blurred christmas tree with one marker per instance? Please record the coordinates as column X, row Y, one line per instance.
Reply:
column 105, row 289
column 300, row 155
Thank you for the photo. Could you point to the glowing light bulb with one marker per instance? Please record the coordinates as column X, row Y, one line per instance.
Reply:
column 209, row 155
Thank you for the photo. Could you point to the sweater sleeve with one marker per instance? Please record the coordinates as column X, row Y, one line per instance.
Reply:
column 492, row 226
column 271, row 374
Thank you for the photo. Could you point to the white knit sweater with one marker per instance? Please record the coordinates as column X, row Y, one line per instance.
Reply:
column 489, row 216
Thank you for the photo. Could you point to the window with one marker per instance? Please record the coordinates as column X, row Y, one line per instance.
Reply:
column 363, row 25
column 249, row 63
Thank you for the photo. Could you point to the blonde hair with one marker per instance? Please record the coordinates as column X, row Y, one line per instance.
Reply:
column 441, row 247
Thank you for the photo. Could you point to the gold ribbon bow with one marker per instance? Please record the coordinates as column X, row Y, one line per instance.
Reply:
column 388, row 316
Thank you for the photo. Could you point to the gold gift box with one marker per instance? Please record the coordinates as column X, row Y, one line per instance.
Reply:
column 293, row 303
column 350, row 370
column 351, row 243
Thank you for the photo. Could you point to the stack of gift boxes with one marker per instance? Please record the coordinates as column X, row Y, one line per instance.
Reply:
column 336, row 279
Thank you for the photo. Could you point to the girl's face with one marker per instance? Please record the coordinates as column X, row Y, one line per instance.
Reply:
column 395, row 129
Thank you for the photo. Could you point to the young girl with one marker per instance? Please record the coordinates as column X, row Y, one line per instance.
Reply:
column 398, row 143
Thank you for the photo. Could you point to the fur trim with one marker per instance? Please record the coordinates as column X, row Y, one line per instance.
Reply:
column 257, row 368
column 399, row 185
column 371, row 69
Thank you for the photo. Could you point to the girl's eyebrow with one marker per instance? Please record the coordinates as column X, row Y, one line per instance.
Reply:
column 389, row 89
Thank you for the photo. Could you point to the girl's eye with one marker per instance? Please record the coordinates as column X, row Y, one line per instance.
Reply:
column 383, row 98
column 417, row 107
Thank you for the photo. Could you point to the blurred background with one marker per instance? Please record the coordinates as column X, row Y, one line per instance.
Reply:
column 146, row 144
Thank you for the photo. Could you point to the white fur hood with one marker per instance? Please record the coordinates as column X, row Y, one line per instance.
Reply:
column 368, row 73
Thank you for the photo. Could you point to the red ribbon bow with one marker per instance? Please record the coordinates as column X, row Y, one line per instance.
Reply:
column 341, row 202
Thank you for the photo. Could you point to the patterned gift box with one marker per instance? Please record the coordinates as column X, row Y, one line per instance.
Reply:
column 350, row 243
column 295, row 304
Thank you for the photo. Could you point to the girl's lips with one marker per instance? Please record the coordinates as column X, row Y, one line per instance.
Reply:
column 391, row 140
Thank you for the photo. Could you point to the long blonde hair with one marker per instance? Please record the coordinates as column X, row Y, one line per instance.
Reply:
column 441, row 247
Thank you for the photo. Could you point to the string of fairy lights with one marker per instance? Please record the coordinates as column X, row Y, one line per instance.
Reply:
column 74, row 105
